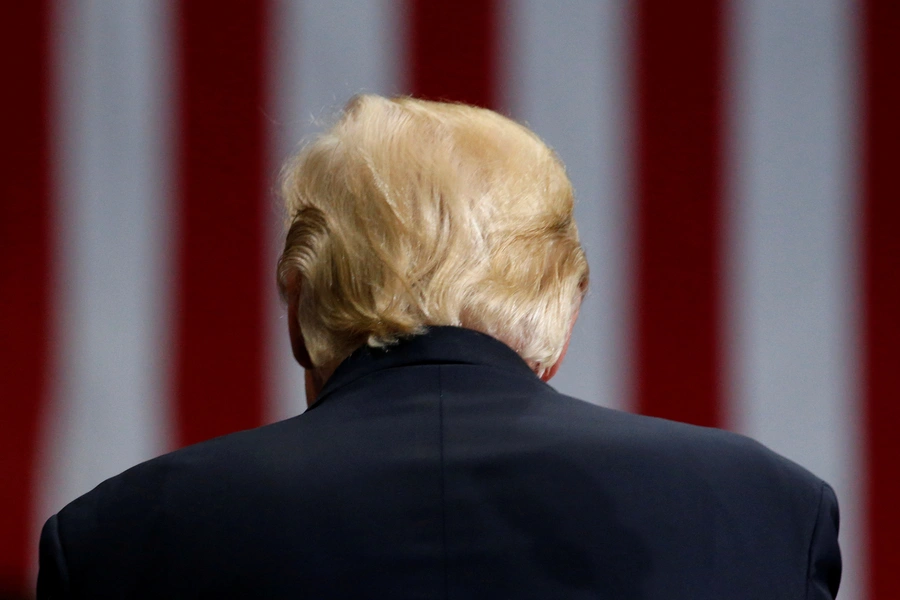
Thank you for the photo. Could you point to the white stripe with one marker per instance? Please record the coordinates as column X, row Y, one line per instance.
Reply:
column 111, row 173
column 793, row 292
column 324, row 52
column 567, row 78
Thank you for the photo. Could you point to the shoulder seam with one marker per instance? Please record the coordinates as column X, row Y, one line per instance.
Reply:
column 812, row 537
column 443, row 477
column 64, row 562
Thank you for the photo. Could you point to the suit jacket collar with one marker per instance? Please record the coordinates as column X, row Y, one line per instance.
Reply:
column 438, row 345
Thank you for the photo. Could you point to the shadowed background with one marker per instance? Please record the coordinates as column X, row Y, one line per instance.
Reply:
column 735, row 171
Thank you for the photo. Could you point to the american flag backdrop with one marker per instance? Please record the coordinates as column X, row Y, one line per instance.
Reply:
column 736, row 165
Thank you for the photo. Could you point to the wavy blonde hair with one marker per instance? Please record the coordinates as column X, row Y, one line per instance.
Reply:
column 409, row 213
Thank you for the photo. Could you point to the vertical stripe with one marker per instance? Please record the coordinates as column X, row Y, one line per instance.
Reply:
column 881, row 132
column 453, row 50
column 112, row 198
column 318, row 68
column 25, row 252
column 678, row 192
column 220, row 323
column 792, row 219
column 567, row 77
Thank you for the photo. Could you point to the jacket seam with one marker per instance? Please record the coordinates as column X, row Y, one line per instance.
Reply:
column 443, row 478
column 812, row 537
column 65, row 577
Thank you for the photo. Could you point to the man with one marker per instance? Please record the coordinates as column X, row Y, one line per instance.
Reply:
column 433, row 274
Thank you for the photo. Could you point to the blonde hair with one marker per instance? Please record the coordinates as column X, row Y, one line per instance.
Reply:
column 409, row 213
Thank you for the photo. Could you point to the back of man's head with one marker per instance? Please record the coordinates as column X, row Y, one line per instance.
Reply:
column 409, row 213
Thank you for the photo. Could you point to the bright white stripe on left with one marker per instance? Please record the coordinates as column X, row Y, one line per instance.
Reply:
column 112, row 165
column 566, row 76
column 323, row 53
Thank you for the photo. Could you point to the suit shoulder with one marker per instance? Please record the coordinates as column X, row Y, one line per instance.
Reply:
column 691, row 449
column 148, row 491
column 164, row 501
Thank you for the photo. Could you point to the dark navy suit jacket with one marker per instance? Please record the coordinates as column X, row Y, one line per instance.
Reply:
column 444, row 468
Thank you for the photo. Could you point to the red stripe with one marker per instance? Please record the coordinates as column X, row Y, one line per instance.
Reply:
column 219, row 366
column 453, row 50
column 679, row 54
column 25, row 266
column 882, row 292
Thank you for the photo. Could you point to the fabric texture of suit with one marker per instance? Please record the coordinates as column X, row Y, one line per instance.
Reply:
column 442, row 467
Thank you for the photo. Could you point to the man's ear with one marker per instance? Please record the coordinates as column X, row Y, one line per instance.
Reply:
column 552, row 370
column 298, row 344
column 549, row 373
